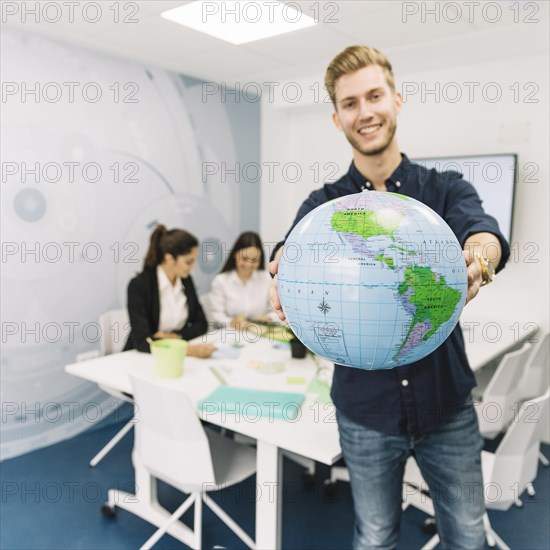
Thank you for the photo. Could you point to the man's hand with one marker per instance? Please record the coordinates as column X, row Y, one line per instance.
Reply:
column 474, row 275
column 273, row 291
column 487, row 245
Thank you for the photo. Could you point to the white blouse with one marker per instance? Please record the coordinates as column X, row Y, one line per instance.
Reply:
column 174, row 310
column 231, row 297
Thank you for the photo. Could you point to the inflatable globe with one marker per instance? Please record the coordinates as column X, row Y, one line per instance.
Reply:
column 373, row 280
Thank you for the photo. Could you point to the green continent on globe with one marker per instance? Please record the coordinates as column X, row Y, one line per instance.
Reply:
column 434, row 301
column 367, row 223
column 388, row 260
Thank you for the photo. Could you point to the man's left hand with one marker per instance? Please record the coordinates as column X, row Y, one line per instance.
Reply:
column 474, row 275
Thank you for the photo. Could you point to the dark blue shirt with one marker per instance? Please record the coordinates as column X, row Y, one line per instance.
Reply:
column 418, row 397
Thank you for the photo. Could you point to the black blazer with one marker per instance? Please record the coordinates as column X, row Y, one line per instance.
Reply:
column 144, row 310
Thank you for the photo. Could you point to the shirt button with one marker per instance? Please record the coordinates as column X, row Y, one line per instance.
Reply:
column 398, row 184
column 404, row 383
column 368, row 184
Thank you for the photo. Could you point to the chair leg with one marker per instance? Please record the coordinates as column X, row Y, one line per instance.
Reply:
column 155, row 537
column 197, row 523
column 432, row 543
column 99, row 456
column 492, row 538
column 498, row 541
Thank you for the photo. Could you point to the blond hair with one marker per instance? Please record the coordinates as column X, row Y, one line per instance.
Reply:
column 352, row 59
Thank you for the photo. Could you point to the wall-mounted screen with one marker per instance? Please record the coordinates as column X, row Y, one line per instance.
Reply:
column 494, row 178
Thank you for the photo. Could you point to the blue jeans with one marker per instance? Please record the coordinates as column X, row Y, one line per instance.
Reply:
column 450, row 461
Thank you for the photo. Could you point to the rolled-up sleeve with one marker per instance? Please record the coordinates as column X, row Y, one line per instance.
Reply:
column 465, row 215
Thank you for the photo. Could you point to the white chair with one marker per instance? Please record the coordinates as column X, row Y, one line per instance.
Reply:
column 536, row 375
column 172, row 445
column 115, row 328
column 501, row 398
column 506, row 473
column 495, row 410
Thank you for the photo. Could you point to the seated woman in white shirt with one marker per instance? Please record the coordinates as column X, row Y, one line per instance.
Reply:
column 240, row 292
column 162, row 301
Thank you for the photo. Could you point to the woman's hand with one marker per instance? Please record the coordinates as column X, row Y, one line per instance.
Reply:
column 262, row 319
column 239, row 322
column 203, row 351
column 163, row 335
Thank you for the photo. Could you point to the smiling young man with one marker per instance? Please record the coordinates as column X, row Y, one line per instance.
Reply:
column 423, row 408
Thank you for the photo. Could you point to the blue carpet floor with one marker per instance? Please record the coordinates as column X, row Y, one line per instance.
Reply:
column 51, row 499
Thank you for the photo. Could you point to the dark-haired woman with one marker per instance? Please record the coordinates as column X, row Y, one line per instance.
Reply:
column 162, row 301
column 241, row 290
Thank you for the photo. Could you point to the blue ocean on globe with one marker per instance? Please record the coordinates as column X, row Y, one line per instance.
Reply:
column 373, row 280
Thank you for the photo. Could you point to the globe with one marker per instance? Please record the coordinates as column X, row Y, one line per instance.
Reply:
column 373, row 280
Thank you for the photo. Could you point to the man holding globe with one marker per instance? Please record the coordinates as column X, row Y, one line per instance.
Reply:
column 423, row 407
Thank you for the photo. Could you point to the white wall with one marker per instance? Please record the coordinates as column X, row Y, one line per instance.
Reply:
column 303, row 133
column 72, row 239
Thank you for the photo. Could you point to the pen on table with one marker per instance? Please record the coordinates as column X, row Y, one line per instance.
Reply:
column 217, row 374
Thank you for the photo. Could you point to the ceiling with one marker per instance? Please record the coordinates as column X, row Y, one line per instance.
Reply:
column 465, row 33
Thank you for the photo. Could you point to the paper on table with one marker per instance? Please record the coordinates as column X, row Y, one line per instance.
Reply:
column 322, row 390
column 226, row 352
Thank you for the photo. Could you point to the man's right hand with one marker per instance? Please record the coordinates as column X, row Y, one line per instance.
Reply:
column 273, row 291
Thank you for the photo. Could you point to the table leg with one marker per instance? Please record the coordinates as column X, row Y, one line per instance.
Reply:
column 269, row 481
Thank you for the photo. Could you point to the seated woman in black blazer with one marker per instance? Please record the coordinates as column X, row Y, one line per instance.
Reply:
column 162, row 301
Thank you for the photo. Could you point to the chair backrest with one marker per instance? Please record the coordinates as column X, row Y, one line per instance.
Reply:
column 169, row 436
column 500, row 398
column 517, row 456
column 115, row 328
column 537, row 370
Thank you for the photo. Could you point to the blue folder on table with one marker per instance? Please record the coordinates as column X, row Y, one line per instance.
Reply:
column 251, row 403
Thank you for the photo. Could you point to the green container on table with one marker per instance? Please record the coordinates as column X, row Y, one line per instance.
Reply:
column 169, row 356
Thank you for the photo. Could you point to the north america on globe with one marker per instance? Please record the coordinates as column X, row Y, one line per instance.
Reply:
column 372, row 280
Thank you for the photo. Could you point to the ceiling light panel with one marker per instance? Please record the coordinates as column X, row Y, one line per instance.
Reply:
column 240, row 21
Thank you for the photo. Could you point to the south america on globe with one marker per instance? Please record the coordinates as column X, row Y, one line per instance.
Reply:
column 373, row 280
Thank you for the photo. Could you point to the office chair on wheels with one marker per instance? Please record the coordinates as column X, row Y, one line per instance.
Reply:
column 513, row 465
column 537, row 377
column 172, row 445
column 495, row 410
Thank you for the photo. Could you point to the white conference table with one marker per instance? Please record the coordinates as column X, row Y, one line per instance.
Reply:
column 313, row 434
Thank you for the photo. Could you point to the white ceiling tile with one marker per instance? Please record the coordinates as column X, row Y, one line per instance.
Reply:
column 158, row 6
column 326, row 10
column 157, row 37
column 69, row 19
column 515, row 14
column 413, row 41
column 481, row 47
column 391, row 27
column 297, row 48
column 229, row 63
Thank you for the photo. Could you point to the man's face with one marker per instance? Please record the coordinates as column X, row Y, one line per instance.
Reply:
column 366, row 110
